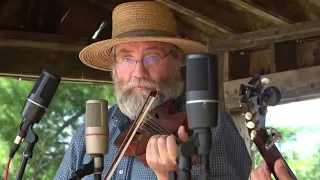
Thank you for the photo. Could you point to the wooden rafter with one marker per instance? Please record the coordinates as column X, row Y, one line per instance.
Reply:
column 261, row 11
column 196, row 16
column 294, row 85
column 41, row 41
column 24, row 55
column 289, row 10
column 243, row 41
column 316, row 2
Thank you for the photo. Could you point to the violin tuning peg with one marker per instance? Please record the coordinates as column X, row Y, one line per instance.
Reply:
column 248, row 116
column 242, row 90
column 265, row 81
column 253, row 134
column 250, row 125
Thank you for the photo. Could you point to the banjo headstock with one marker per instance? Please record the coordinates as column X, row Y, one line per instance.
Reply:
column 254, row 105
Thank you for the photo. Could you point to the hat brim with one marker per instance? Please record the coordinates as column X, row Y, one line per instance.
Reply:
column 98, row 55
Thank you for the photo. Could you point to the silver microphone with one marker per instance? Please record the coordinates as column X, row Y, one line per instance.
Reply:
column 97, row 132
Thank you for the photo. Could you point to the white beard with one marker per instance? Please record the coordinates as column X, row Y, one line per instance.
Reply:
column 130, row 103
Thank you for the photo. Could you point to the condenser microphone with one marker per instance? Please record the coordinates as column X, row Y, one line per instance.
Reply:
column 202, row 90
column 36, row 105
column 97, row 133
column 202, row 104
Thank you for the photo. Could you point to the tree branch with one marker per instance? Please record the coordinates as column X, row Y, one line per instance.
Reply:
column 69, row 121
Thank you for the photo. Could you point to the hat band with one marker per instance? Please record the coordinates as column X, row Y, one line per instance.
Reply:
column 145, row 33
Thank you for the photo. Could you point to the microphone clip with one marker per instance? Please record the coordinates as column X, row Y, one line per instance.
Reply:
column 95, row 166
column 199, row 144
column 31, row 140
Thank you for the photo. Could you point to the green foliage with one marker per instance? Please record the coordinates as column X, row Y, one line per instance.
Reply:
column 64, row 115
column 304, row 168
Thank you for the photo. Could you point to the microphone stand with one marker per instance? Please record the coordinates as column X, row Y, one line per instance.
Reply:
column 85, row 170
column 98, row 166
column 31, row 139
column 200, row 145
column 90, row 168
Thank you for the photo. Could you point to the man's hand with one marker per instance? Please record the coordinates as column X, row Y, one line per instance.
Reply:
column 162, row 151
column 263, row 173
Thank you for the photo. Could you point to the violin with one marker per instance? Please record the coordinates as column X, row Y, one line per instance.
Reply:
column 164, row 120
column 254, row 102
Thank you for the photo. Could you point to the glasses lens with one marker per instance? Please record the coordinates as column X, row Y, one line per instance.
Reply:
column 149, row 60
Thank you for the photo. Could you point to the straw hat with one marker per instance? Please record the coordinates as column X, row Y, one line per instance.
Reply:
column 137, row 21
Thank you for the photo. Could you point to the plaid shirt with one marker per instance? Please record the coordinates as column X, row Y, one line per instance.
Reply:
column 229, row 159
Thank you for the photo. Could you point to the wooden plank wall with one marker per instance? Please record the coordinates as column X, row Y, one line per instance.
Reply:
column 289, row 56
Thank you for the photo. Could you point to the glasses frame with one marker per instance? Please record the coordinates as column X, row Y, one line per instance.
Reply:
column 136, row 61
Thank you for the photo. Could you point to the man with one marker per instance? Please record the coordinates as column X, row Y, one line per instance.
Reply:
column 144, row 54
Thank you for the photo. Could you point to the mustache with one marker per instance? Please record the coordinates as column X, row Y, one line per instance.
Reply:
column 138, row 82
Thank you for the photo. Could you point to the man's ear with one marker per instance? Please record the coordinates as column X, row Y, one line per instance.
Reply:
column 180, row 56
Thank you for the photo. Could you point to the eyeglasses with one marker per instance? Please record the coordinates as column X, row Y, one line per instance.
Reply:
column 148, row 61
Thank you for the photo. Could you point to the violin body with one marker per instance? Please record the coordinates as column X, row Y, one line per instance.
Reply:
column 164, row 120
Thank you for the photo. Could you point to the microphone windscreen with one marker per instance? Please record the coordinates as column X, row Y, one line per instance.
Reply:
column 45, row 87
column 40, row 96
column 97, row 129
column 202, row 72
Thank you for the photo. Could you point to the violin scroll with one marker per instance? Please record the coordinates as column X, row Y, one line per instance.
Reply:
column 254, row 103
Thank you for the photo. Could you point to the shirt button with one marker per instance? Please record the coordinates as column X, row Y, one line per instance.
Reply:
column 121, row 172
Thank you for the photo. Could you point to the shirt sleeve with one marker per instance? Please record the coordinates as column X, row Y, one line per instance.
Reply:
column 73, row 158
column 229, row 157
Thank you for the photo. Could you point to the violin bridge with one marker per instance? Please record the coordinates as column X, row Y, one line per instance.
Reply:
column 274, row 136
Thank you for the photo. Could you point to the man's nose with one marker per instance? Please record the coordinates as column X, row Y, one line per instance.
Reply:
column 140, row 70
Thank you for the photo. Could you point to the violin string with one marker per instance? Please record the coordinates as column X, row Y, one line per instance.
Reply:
column 157, row 132
column 177, row 138
column 150, row 129
column 148, row 124
column 155, row 124
column 161, row 130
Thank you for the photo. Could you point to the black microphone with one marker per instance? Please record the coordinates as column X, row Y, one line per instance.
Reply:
column 202, row 90
column 202, row 104
column 36, row 105
column 97, row 138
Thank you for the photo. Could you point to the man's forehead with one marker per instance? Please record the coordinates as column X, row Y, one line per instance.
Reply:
column 133, row 46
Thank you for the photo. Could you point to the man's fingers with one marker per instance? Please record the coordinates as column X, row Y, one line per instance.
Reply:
column 154, row 147
column 162, row 146
column 281, row 170
column 263, row 165
column 172, row 147
column 254, row 175
column 148, row 152
column 183, row 135
column 262, row 172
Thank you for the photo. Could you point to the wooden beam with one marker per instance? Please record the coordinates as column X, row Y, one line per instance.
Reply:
column 290, row 10
column 263, row 37
column 195, row 30
column 25, row 54
column 316, row 2
column 42, row 41
column 27, row 63
column 294, row 85
column 9, row 16
column 194, row 15
column 261, row 12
